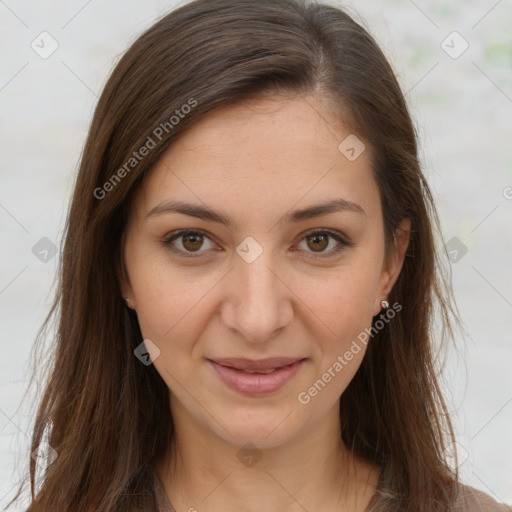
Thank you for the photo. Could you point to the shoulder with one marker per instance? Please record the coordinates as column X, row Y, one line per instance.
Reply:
column 473, row 500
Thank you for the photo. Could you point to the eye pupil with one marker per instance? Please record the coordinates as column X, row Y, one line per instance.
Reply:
column 192, row 242
column 321, row 239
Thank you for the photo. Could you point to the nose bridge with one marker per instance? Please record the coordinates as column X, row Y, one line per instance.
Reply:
column 260, row 305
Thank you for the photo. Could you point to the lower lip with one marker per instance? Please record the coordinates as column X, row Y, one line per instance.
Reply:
column 256, row 384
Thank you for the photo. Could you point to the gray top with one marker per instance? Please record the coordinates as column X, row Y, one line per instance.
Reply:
column 164, row 505
column 470, row 499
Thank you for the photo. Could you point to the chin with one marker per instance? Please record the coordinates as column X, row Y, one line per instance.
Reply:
column 263, row 428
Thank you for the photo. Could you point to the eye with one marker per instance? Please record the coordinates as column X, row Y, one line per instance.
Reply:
column 188, row 242
column 318, row 241
column 191, row 243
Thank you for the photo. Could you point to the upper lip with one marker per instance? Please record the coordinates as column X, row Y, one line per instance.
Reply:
column 256, row 365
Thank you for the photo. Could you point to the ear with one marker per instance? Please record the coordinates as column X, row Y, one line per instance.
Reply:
column 393, row 263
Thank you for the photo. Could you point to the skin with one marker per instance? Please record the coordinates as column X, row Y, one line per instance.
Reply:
column 255, row 163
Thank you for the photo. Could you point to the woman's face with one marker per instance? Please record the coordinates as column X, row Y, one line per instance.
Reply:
column 257, row 242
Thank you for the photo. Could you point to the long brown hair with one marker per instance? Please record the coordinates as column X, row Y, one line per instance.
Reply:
column 105, row 414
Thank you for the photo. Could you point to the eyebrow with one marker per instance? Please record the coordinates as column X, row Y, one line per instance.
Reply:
column 207, row 213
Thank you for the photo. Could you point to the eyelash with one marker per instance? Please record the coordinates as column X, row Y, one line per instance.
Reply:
column 343, row 242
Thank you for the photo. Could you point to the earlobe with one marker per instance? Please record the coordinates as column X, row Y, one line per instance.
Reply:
column 126, row 293
column 129, row 302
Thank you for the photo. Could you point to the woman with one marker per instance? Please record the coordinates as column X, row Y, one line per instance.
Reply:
column 248, row 281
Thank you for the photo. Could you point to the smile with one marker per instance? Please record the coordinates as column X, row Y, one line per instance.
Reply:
column 252, row 378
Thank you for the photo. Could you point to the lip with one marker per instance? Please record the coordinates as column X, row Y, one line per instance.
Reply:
column 232, row 374
column 240, row 363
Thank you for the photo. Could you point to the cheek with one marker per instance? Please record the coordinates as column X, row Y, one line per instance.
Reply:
column 341, row 308
column 169, row 303
column 344, row 308
column 163, row 298
column 342, row 302
column 171, row 311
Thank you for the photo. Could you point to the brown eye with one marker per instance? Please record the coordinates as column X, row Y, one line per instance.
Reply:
column 324, row 243
column 189, row 243
column 317, row 242
column 192, row 242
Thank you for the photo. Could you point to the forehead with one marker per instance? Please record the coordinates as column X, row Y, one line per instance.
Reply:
column 265, row 156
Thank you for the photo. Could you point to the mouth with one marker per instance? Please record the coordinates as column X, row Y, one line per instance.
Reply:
column 257, row 377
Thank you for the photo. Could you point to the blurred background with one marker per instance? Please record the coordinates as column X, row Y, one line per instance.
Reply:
column 454, row 62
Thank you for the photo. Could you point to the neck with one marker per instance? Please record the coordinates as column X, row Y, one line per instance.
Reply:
column 313, row 472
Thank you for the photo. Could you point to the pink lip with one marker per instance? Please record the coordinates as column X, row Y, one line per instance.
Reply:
column 231, row 373
column 240, row 363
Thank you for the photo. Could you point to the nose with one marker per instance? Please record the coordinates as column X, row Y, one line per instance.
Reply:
column 258, row 303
